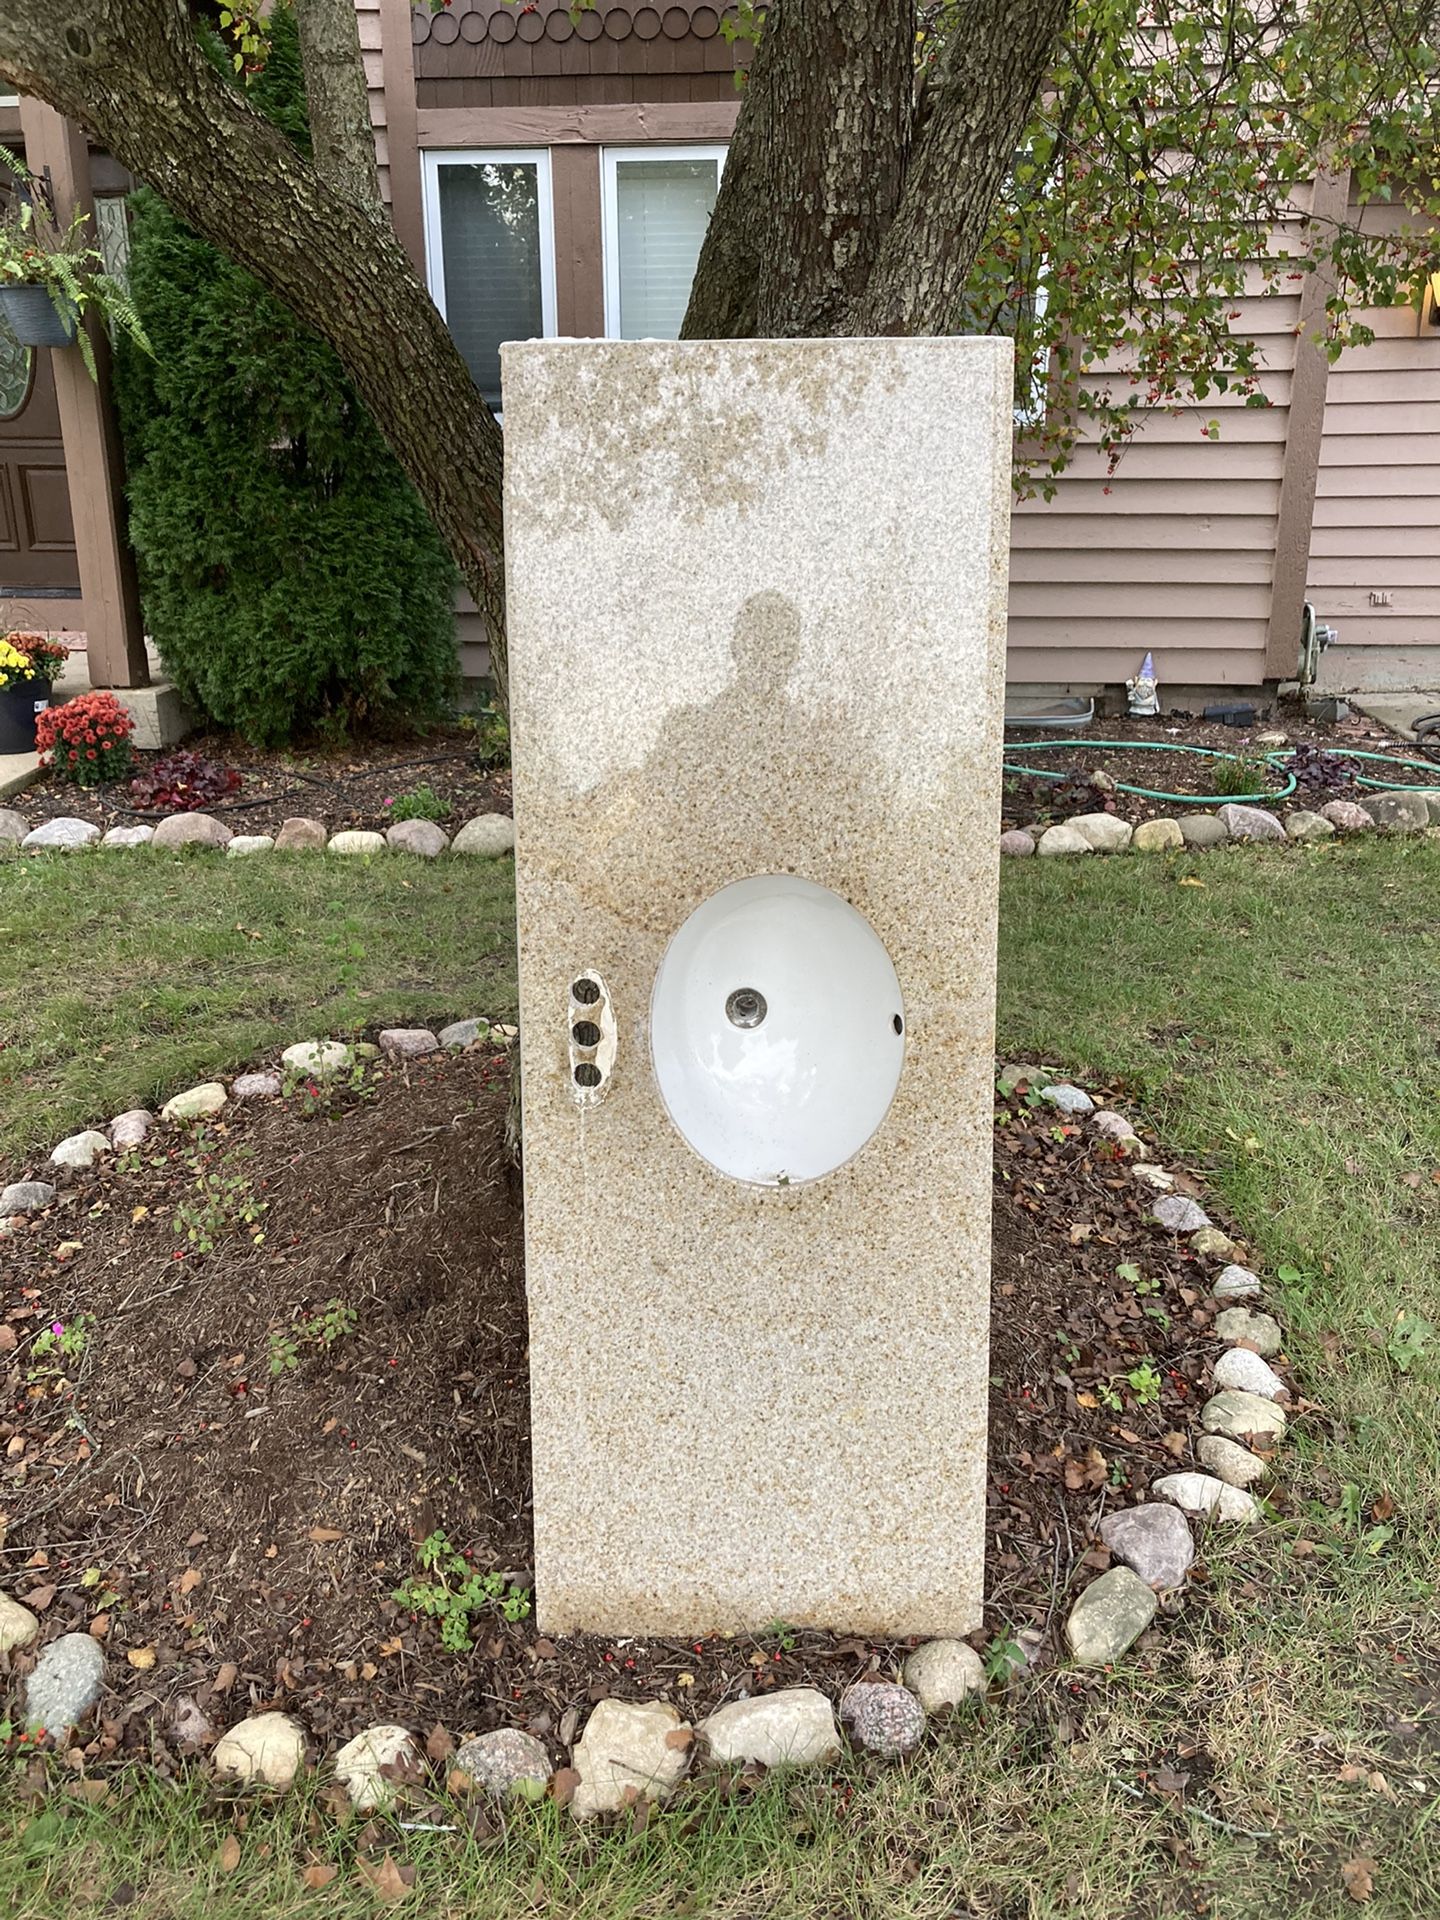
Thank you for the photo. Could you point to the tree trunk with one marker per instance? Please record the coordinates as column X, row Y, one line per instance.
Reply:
column 341, row 136
column 132, row 72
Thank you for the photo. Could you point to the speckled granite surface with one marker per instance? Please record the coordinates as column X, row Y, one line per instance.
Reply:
column 757, row 625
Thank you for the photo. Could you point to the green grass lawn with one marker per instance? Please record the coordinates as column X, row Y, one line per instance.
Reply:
column 1279, row 1023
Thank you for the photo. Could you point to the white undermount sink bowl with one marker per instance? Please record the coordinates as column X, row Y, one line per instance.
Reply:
column 776, row 1030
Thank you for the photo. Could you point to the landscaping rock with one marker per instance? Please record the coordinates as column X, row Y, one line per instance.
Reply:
column 944, row 1673
column 1158, row 836
column 1109, row 1617
column 883, row 1718
column 1249, row 823
column 1246, row 1372
column 356, row 841
column 1022, row 1073
column 1156, row 1178
column 1236, row 1283
column 1201, row 831
column 244, row 843
column 1397, row 812
column 1309, row 826
column 13, row 826
column 196, row 1102
column 1213, row 1244
column 140, row 836
column 319, row 1058
column 299, row 835
column 1347, row 816
column 1153, row 1540
column 1237, row 1466
column 60, row 835
column 1178, row 1213
column 1431, row 797
column 1067, row 1098
column 1102, row 832
column 417, row 836
column 25, row 1196
column 18, row 1625
column 266, row 1750
column 794, row 1727
column 255, row 1086
column 1017, row 844
column 462, row 1033
column 377, row 1764
column 1257, row 1330
column 1199, row 1493
column 1062, row 838
column 1114, row 1125
column 192, row 830
column 506, row 1763
column 408, row 1043
column 627, row 1750
column 488, row 835
column 65, row 1684
column 1243, row 1417
column 79, row 1150
column 131, row 1129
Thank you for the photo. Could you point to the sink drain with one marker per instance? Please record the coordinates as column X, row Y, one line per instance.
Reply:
column 745, row 1007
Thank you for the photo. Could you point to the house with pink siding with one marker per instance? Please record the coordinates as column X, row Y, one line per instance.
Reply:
column 603, row 137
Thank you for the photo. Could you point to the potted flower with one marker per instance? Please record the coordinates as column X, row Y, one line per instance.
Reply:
column 50, row 275
column 29, row 667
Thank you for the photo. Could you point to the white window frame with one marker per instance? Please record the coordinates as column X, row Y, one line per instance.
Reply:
column 610, row 158
column 433, row 160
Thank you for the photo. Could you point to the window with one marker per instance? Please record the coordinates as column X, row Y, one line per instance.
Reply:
column 489, row 243
column 656, row 204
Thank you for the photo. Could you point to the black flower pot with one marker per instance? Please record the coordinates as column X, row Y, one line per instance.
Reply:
column 21, row 703
column 34, row 319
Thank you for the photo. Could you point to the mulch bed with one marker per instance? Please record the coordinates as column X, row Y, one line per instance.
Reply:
column 345, row 787
column 236, row 1537
column 1031, row 803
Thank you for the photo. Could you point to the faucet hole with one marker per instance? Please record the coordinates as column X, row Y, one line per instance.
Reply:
column 586, row 991
column 746, row 1007
column 585, row 1033
column 898, row 1024
column 587, row 1074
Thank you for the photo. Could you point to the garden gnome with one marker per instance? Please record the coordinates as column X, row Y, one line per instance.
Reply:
column 1144, row 694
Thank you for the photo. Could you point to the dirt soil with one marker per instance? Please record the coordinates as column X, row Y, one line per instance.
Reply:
column 235, row 1535
column 1028, row 803
column 345, row 787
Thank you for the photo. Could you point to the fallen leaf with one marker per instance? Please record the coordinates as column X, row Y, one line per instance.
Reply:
column 1189, row 880
column 388, row 1881
column 679, row 1738
column 319, row 1874
column 1353, row 1776
column 229, row 1854
column 563, row 1784
column 141, row 1658
column 325, row 1536
column 1357, row 1876
column 99, row 1626
column 39, row 1598
column 190, row 1579
column 227, row 1676
column 137, row 1214
column 8, row 1338
column 438, row 1744
column 391, row 1647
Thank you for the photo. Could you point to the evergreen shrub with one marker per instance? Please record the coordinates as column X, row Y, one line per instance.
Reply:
column 291, row 578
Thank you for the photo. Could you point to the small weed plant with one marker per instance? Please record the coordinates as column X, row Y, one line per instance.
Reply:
column 317, row 1096
column 319, row 1331
column 223, row 1201
column 57, row 1346
column 449, row 1590
column 1244, row 777
column 1144, row 1384
column 421, row 803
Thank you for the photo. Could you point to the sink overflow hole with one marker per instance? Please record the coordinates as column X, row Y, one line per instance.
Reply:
column 587, row 992
column 898, row 1024
column 745, row 1007
column 585, row 1033
column 587, row 1074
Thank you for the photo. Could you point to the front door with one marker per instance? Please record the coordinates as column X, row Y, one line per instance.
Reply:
column 37, row 537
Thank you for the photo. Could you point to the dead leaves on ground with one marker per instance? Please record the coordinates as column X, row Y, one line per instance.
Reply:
column 1357, row 1876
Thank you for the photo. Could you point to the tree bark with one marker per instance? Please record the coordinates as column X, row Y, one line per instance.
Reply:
column 133, row 73
column 977, row 108
column 814, row 172
column 341, row 137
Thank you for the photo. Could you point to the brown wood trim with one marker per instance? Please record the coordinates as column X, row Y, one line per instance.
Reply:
column 94, row 466
column 1296, row 511
column 579, row 265
column 616, row 125
column 397, row 68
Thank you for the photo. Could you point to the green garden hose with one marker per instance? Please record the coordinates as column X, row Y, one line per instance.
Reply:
column 1276, row 759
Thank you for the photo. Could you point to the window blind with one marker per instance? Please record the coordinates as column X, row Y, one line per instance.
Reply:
column 662, row 208
column 490, row 247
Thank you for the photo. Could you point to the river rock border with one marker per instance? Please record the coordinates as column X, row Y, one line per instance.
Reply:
column 487, row 835
column 632, row 1751
column 1403, row 810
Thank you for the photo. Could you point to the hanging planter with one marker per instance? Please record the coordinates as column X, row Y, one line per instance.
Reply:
column 34, row 318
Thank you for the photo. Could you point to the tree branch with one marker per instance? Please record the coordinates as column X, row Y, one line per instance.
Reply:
column 340, row 130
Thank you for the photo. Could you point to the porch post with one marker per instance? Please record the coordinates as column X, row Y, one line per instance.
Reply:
column 94, row 465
